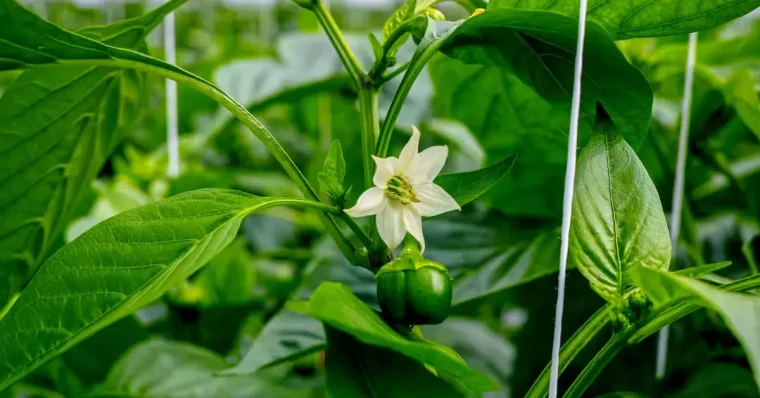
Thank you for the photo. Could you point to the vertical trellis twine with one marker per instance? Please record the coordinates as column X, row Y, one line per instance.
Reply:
column 567, row 200
column 172, row 121
column 678, row 186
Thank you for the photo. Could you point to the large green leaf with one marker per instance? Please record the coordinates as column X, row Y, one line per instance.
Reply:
column 643, row 18
column 508, row 117
column 741, row 312
column 335, row 305
column 515, row 264
column 59, row 124
column 359, row 370
column 617, row 219
column 116, row 267
column 539, row 48
column 160, row 368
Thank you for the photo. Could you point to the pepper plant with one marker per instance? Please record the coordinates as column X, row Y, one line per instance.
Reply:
column 390, row 267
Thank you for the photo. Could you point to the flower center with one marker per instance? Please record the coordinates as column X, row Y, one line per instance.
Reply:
column 400, row 189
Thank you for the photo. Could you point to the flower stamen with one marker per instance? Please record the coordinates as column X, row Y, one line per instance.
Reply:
column 401, row 190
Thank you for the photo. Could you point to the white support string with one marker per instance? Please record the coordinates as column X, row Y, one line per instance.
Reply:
column 678, row 187
column 567, row 200
column 172, row 119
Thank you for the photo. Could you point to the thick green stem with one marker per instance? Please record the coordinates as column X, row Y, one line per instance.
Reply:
column 592, row 370
column 370, row 129
column 339, row 43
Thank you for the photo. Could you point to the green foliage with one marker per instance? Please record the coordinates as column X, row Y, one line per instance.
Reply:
column 117, row 267
column 644, row 18
column 358, row 370
column 332, row 175
column 618, row 222
column 125, row 305
column 403, row 13
column 468, row 186
column 741, row 312
column 337, row 307
column 516, row 40
column 61, row 124
column 159, row 368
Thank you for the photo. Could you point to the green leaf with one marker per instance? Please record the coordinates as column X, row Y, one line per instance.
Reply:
column 468, row 186
column 539, row 48
column 508, row 117
column 514, row 265
column 359, row 370
column 741, row 94
column 751, row 251
column 377, row 48
column 333, row 173
column 335, row 305
column 483, row 348
column 60, row 124
column 719, row 380
column 644, row 18
column 116, row 267
column 286, row 337
column 702, row 270
column 740, row 312
column 617, row 219
column 160, row 368
column 398, row 17
column 228, row 280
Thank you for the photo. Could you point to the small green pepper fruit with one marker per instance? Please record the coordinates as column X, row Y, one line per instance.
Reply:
column 413, row 290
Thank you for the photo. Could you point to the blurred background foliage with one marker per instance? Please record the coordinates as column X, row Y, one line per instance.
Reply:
column 502, row 250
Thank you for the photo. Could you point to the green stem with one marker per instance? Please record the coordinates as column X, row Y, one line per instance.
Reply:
column 339, row 43
column 289, row 94
column 392, row 75
column 370, row 128
column 418, row 62
column 595, row 367
column 357, row 230
column 241, row 113
column 570, row 350
column 390, row 48
column 656, row 321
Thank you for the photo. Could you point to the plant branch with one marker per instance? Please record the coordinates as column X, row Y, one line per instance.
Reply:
column 390, row 47
column 392, row 75
column 418, row 62
column 339, row 43
column 241, row 113
column 656, row 321
column 571, row 349
column 597, row 364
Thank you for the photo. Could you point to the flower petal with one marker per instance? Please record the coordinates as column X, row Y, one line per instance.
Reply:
column 409, row 153
column 372, row 201
column 433, row 200
column 390, row 224
column 427, row 164
column 413, row 224
column 386, row 168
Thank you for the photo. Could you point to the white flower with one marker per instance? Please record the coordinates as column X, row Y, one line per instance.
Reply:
column 404, row 192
